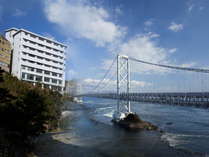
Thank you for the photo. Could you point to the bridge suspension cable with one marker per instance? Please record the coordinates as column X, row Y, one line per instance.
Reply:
column 170, row 66
column 105, row 75
column 106, row 82
column 176, row 93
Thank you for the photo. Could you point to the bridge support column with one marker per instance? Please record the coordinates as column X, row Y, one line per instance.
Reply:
column 123, row 86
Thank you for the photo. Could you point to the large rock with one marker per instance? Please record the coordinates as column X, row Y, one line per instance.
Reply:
column 133, row 122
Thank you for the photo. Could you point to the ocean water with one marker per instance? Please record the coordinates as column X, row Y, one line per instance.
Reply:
column 185, row 127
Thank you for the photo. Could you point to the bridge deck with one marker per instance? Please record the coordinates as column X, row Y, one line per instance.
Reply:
column 199, row 99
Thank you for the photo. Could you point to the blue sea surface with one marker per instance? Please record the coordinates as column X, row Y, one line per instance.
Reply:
column 185, row 127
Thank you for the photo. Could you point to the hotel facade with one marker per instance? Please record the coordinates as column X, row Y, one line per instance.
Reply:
column 37, row 59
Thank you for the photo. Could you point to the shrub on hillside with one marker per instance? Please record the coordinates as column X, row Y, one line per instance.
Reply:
column 26, row 110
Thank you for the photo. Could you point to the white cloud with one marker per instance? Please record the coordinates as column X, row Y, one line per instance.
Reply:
column 175, row 27
column 148, row 23
column 195, row 5
column 144, row 47
column 153, row 35
column 19, row 12
column 190, row 7
column 83, row 20
column 172, row 50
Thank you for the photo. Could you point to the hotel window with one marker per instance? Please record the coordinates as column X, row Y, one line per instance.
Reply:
column 32, row 42
column 54, row 87
column 30, row 77
column 40, row 45
column 40, row 57
column 39, row 78
column 41, row 39
column 48, row 47
column 54, row 74
column 23, row 75
column 60, row 75
column 48, row 41
column 23, row 67
column 40, row 51
column 46, row 79
column 30, row 69
column 59, row 88
column 32, row 49
column 55, row 56
column 39, row 63
column 47, row 65
column 48, row 53
column 31, row 55
column 38, row 70
column 60, row 82
column 24, row 53
column 47, row 72
column 33, row 36
column 54, row 81
column 31, row 61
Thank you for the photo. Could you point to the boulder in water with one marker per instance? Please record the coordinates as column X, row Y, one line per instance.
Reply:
column 133, row 122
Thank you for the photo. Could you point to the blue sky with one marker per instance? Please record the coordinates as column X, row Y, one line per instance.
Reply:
column 161, row 31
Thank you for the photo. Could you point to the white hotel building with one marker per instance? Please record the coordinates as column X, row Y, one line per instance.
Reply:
column 37, row 58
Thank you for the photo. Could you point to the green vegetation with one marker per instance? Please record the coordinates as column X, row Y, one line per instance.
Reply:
column 26, row 110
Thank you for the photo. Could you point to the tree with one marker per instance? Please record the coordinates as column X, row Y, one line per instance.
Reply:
column 27, row 110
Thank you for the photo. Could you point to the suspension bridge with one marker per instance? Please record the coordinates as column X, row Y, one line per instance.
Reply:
column 120, row 88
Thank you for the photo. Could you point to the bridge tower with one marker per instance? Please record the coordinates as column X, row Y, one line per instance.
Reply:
column 123, row 87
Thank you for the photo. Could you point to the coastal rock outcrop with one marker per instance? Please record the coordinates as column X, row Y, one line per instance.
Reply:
column 133, row 122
